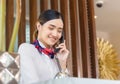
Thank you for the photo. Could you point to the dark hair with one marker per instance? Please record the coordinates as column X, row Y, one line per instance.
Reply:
column 46, row 16
column 49, row 15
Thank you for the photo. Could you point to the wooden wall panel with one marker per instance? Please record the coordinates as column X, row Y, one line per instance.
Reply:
column 84, row 38
column 64, row 9
column 75, row 38
column 21, row 33
column 54, row 4
column 9, row 21
column 92, row 37
column 43, row 5
column 33, row 17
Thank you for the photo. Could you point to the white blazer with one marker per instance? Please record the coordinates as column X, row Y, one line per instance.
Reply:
column 35, row 67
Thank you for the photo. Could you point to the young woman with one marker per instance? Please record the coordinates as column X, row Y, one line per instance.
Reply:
column 37, row 60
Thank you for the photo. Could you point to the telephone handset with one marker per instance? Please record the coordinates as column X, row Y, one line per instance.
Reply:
column 61, row 41
column 60, row 74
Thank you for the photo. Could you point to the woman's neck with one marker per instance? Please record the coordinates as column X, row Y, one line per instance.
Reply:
column 44, row 44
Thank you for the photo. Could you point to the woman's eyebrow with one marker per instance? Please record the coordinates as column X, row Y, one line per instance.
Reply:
column 52, row 25
column 55, row 26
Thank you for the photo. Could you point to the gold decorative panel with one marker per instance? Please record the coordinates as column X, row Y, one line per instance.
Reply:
column 109, row 63
column 9, row 68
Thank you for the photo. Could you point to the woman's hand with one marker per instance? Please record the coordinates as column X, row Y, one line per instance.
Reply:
column 62, row 55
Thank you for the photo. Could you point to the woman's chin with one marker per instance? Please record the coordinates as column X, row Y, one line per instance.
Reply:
column 51, row 44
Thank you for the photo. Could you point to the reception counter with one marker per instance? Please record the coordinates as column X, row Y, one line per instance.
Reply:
column 73, row 80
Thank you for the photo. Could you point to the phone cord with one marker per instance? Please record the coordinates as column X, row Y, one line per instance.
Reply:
column 59, row 66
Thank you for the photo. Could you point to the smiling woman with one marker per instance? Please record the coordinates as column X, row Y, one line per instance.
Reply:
column 38, row 60
column 50, row 32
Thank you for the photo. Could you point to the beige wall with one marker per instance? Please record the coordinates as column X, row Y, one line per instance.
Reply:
column 112, row 37
column 115, row 40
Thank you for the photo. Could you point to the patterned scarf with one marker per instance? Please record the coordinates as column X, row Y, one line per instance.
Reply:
column 46, row 51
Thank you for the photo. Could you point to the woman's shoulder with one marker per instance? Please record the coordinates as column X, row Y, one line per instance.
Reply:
column 26, row 49
column 26, row 46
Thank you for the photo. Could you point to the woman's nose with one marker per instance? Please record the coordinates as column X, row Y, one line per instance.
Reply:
column 55, row 33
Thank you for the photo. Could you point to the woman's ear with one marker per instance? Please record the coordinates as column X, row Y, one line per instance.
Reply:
column 38, row 25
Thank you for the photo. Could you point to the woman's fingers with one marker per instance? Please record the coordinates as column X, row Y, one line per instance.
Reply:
column 61, row 45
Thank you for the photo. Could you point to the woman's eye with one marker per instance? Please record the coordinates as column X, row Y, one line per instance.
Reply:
column 51, row 28
column 60, row 31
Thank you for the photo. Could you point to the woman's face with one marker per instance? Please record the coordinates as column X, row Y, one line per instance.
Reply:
column 50, row 32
